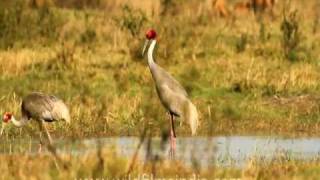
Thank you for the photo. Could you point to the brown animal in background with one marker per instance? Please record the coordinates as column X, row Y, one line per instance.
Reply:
column 262, row 5
column 242, row 8
column 41, row 3
column 220, row 7
column 258, row 7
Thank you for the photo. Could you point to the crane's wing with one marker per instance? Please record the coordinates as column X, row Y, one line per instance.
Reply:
column 165, row 78
column 180, row 105
column 46, row 107
column 171, row 100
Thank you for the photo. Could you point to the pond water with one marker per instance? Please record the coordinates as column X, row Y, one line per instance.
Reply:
column 233, row 151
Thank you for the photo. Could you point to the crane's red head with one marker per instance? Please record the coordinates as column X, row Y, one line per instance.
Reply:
column 151, row 34
column 7, row 117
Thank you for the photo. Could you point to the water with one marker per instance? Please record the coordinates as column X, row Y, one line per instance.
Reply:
column 233, row 151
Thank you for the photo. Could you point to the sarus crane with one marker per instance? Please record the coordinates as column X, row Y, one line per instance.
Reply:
column 39, row 107
column 171, row 94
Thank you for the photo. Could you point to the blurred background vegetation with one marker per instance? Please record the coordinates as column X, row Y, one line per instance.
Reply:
column 250, row 68
column 247, row 71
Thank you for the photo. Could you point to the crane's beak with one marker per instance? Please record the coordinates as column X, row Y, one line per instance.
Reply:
column 145, row 47
column 2, row 128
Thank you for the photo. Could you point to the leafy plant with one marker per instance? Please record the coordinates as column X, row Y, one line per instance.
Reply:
column 131, row 20
column 167, row 7
column 262, row 32
column 242, row 42
column 291, row 35
column 19, row 22
column 89, row 35
column 316, row 21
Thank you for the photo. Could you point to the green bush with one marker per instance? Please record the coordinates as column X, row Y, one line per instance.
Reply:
column 131, row 20
column 242, row 43
column 291, row 35
column 19, row 24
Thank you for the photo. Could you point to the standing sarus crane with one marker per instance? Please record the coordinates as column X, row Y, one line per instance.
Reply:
column 39, row 107
column 172, row 95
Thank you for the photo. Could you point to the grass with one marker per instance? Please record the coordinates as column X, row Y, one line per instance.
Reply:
column 236, row 72
column 95, row 165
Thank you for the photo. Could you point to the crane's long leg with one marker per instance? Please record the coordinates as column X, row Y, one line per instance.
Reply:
column 173, row 132
column 40, row 136
column 47, row 132
column 172, row 137
column 50, row 146
column 41, row 127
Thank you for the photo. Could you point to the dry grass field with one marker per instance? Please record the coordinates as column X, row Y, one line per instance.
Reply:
column 253, row 73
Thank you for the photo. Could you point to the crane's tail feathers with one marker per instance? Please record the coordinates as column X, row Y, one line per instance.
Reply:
column 68, row 119
column 192, row 117
column 65, row 113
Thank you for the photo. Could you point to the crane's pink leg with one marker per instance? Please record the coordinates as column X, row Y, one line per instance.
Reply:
column 172, row 138
column 41, row 127
column 48, row 134
column 40, row 148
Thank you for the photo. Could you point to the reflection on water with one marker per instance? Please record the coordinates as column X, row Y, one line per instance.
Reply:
column 221, row 151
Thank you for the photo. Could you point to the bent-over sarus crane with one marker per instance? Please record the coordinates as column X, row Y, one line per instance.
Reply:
column 39, row 107
column 172, row 95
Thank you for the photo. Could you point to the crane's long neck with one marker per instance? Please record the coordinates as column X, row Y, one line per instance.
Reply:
column 23, row 121
column 150, row 53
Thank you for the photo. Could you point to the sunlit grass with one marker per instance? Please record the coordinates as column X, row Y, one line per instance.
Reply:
column 234, row 70
column 93, row 63
column 108, row 164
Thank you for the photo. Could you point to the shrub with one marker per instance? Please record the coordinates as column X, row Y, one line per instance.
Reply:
column 131, row 20
column 168, row 7
column 291, row 35
column 19, row 24
column 90, row 34
column 242, row 42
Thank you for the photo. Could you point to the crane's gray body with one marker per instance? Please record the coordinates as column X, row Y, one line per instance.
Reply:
column 171, row 94
column 44, row 107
